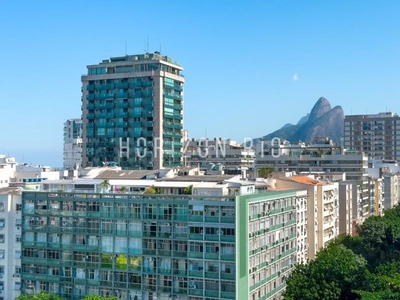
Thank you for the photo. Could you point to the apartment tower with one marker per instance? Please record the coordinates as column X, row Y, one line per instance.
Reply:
column 132, row 112
column 377, row 135
column 72, row 144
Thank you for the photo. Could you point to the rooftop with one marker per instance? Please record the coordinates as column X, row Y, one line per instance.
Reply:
column 199, row 178
column 125, row 174
column 10, row 190
column 140, row 57
column 306, row 180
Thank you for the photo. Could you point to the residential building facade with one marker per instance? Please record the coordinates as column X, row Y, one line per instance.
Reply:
column 72, row 156
column 227, row 154
column 322, row 209
column 322, row 157
column 132, row 112
column 10, row 242
column 377, row 135
column 8, row 167
column 223, row 241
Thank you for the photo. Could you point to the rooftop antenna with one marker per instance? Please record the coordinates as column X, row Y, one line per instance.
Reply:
column 160, row 48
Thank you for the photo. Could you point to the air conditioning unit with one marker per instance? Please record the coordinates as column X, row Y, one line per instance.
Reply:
column 167, row 224
column 16, row 275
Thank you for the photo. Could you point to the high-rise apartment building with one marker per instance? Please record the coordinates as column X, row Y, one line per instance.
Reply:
column 376, row 135
column 72, row 144
column 132, row 112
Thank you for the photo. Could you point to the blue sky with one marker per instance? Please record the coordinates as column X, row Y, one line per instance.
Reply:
column 250, row 66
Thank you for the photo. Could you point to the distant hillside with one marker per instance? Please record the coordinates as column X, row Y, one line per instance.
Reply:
column 322, row 121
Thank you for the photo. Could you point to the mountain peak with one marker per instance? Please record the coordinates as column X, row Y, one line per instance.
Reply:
column 321, row 107
column 323, row 121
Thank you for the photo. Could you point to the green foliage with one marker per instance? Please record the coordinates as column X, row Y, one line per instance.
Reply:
column 188, row 190
column 152, row 190
column 105, row 185
column 123, row 189
column 366, row 266
column 39, row 296
column 331, row 275
column 265, row 172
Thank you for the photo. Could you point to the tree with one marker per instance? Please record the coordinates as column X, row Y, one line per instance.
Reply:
column 105, row 185
column 265, row 172
column 39, row 296
column 188, row 190
column 334, row 274
column 366, row 266
column 152, row 190
column 124, row 189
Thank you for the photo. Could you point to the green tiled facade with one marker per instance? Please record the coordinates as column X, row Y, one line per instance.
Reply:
column 132, row 112
column 147, row 247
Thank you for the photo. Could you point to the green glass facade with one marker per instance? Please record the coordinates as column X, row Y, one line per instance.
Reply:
column 162, row 247
column 132, row 112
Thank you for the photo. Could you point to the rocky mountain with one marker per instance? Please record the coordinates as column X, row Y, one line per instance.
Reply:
column 322, row 121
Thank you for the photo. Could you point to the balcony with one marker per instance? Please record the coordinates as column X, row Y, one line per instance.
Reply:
column 196, row 273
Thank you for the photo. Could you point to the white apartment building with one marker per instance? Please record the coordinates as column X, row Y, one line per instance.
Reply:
column 10, row 242
column 321, row 156
column 391, row 189
column 31, row 176
column 72, row 144
column 302, row 218
column 346, row 208
column 7, row 169
column 228, row 155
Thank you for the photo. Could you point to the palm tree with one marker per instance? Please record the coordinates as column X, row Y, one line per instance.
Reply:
column 105, row 185
column 188, row 190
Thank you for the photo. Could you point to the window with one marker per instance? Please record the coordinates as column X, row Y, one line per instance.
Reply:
column 17, row 254
column 18, row 207
column 1, row 253
column 1, row 238
column 18, row 222
column 17, row 286
column 18, row 238
column 1, row 223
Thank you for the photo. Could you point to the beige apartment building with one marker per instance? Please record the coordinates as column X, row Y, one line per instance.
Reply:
column 322, row 208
